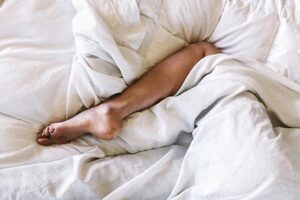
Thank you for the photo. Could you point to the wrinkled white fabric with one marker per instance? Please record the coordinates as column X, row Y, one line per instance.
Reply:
column 230, row 132
column 284, row 56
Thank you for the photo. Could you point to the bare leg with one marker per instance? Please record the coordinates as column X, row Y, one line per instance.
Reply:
column 105, row 120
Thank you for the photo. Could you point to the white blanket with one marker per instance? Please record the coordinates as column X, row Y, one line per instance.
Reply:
column 244, row 117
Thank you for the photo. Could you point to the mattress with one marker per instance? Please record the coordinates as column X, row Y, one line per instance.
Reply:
column 230, row 132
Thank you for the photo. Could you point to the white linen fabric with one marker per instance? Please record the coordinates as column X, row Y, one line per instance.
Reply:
column 285, row 52
column 230, row 132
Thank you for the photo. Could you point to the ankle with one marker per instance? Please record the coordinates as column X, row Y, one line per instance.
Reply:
column 113, row 109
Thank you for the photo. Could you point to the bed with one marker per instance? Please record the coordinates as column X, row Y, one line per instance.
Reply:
column 230, row 132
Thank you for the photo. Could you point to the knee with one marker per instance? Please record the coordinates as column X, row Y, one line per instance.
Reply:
column 210, row 48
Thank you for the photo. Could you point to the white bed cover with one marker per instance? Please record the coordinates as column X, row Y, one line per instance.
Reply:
column 231, row 132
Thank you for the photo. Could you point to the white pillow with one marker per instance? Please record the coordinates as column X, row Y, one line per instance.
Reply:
column 190, row 20
column 172, row 24
column 285, row 53
column 247, row 28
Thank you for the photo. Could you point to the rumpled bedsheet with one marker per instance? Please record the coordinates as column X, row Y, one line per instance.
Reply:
column 230, row 132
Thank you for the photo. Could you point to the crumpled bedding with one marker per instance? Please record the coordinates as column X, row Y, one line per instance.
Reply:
column 230, row 132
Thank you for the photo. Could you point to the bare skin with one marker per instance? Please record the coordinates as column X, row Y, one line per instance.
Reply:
column 105, row 120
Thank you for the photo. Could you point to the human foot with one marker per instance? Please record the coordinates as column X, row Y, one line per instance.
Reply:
column 102, row 121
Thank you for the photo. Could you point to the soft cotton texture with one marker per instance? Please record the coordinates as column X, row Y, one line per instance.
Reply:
column 230, row 132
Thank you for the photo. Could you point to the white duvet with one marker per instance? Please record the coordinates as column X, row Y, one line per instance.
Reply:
column 230, row 132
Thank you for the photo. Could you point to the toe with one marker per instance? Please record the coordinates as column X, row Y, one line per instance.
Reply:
column 51, row 129
column 45, row 132
column 45, row 141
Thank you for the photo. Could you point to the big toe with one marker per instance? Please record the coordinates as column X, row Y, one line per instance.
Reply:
column 45, row 141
